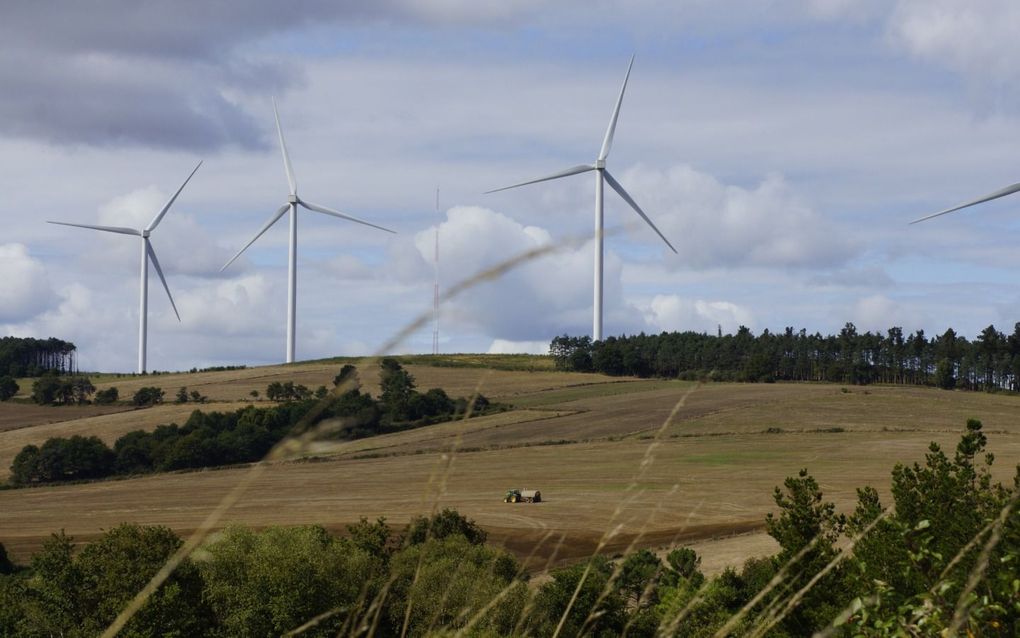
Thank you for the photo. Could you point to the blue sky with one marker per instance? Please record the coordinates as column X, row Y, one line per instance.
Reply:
column 781, row 146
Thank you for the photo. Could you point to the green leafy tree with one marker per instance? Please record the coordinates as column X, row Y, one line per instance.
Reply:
column 269, row 582
column 443, row 583
column 182, row 395
column 597, row 614
column 397, row 388
column 446, row 523
column 8, row 388
column 197, row 397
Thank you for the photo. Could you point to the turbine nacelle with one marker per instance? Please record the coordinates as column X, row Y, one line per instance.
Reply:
column 293, row 199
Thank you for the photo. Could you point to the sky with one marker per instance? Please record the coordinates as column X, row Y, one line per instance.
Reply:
column 783, row 147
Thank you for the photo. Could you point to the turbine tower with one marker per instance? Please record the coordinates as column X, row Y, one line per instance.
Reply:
column 148, row 254
column 435, row 288
column 602, row 176
column 293, row 201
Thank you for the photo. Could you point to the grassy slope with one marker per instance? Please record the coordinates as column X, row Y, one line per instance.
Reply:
column 581, row 439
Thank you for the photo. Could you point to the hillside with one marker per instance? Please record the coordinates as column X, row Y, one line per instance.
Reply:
column 587, row 441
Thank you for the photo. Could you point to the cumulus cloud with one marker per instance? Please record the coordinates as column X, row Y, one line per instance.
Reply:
column 879, row 313
column 714, row 224
column 977, row 38
column 25, row 290
column 536, row 300
column 181, row 244
column 673, row 313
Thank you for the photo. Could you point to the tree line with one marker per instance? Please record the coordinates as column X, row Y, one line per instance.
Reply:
column 28, row 357
column 944, row 552
column 209, row 439
column 991, row 361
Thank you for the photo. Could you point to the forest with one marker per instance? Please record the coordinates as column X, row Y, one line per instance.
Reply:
column 28, row 357
column 991, row 361
column 939, row 559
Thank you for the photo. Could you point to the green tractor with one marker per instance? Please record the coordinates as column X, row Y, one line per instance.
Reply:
column 525, row 496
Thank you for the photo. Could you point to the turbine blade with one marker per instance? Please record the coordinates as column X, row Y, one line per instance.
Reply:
column 286, row 157
column 607, row 143
column 109, row 229
column 272, row 220
column 630, row 200
column 574, row 170
column 158, row 218
column 335, row 213
column 1009, row 190
column 159, row 271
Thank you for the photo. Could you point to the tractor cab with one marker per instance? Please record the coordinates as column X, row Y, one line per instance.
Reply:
column 512, row 496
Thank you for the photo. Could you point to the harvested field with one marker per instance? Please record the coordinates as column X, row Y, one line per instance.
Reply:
column 581, row 439
column 14, row 416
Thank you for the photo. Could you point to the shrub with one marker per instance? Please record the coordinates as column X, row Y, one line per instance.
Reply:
column 8, row 388
column 107, row 396
column 148, row 396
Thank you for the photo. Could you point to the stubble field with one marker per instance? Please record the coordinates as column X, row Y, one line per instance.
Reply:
column 612, row 463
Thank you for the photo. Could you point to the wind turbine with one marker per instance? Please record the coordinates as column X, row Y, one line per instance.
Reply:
column 601, row 175
column 293, row 201
column 148, row 254
column 1009, row 190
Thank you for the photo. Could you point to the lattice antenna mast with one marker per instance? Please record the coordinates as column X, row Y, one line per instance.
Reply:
column 435, row 288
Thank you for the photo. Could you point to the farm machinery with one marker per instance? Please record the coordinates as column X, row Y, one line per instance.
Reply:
column 522, row 496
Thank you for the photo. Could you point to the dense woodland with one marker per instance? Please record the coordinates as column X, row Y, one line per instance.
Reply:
column 990, row 362
column 944, row 552
column 27, row 357
column 210, row 439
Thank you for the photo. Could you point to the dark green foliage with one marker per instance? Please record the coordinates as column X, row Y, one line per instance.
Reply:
column 148, row 396
column 107, row 396
column 373, row 538
column 990, row 362
column 606, row 618
column 287, row 391
column 397, row 389
column 79, row 595
column 269, row 582
column 684, row 561
column 446, row 523
column 62, row 459
column 53, row 390
column 347, row 372
column 444, row 582
column 8, row 387
column 6, row 566
column 27, row 357
column 181, row 396
column 197, row 397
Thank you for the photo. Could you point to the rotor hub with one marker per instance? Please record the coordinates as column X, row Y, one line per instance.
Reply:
column 292, row 199
column 146, row 233
column 600, row 164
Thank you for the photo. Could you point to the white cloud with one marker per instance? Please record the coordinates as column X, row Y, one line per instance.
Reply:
column 537, row 299
column 714, row 224
column 977, row 38
column 673, row 313
column 25, row 289
column 879, row 313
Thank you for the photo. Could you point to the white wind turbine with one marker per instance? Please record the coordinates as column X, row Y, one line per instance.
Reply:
column 293, row 201
column 148, row 254
column 601, row 174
